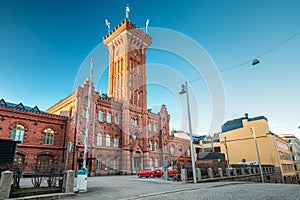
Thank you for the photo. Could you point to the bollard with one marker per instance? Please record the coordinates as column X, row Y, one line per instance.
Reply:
column 183, row 175
column 234, row 172
column 227, row 171
column 198, row 171
column 5, row 184
column 242, row 171
column 220, row 172
column 70, row 181
column 210, row 173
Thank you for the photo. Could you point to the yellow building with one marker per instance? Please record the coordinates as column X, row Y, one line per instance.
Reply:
column 238, row 144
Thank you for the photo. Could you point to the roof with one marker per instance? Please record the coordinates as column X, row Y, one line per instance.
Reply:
column 19, row 106
column 238, row 123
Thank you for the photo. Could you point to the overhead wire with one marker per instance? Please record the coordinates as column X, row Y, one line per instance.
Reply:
column 249, row 61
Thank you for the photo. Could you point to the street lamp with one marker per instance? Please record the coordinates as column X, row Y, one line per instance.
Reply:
column 257, row 152
column 184, row 89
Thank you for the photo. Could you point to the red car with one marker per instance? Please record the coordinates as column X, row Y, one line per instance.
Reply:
column 171, row 171
column 150, row 172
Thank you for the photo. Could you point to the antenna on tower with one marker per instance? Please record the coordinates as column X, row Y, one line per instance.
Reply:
column 107, row 24
column 127, row 11
column 147, row 24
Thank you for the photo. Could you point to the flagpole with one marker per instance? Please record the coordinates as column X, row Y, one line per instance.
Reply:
column 88, row 114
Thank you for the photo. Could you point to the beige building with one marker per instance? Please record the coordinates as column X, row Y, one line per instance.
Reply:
column 238, row 143
column 294, row 146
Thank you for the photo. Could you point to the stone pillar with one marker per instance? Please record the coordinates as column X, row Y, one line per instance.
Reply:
column 234, row 172
column 5, row 184
column 227, row 172
column 198, row 172
column 70, row 181
column 220, row 172
column 183, row 175
column 242, row 171
column 210, row 173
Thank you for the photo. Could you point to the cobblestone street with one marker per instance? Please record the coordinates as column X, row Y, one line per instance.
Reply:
column 131, row 187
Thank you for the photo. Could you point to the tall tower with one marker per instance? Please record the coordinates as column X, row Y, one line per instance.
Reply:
column 127, row 46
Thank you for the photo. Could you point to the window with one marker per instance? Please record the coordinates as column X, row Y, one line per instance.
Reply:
column 180, row 150
column 116, row 119
column 150, row 127
column 45, row 162
column 134, row 122
column 151, row 162
column 156, row 162
column 155, row 146
column 150, row 145
column 107, row 141
column 172, row 149
column 108, row 117
column 116, row 142
column 98, row 164
column 48, row 136
column 107, row 163
column 99, row 139
column 188, row 152
column 84, row 113
column 18, row 133
column 165, row 147
column 100, row 115
column 19, row 159
column 116, row 163
column 154, row 128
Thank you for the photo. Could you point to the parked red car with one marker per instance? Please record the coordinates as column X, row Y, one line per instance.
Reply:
column 171, row 171
column 150, row 172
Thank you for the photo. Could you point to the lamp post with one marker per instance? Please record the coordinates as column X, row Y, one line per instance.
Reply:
column 258, row 156
column 184, row 89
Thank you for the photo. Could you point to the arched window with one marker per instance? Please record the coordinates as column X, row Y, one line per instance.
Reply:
column 84, row 112
column 100, row 115
column 165, row 147
column 151, row 162
column 48, row 136
column 154, row 128
column 155, row 146
column 99, row 139
column 150, row 127
column 45, row 162
column 108, row 117
column 150, row 145
column 107, row 140
column 116, row 163
column 116, row 119
column 107, row 163
column 172, row 149
column 18, row 132
column 116, row 142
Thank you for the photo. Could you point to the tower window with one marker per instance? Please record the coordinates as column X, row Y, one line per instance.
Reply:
column 100, row 115
column 108, row 117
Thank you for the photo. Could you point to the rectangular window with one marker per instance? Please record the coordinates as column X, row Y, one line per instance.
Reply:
column 116, row 142
column 99, row 139
column 116, row 163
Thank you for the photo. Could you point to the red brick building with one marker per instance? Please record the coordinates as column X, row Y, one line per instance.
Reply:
column 42, row 134
column 123, row 134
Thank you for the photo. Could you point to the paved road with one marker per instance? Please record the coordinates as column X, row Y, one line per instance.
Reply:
column 131, row 187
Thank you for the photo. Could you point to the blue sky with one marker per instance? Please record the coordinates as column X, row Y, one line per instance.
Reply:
column 44, row 43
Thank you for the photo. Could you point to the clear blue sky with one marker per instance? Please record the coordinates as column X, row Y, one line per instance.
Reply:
column 43, row 43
